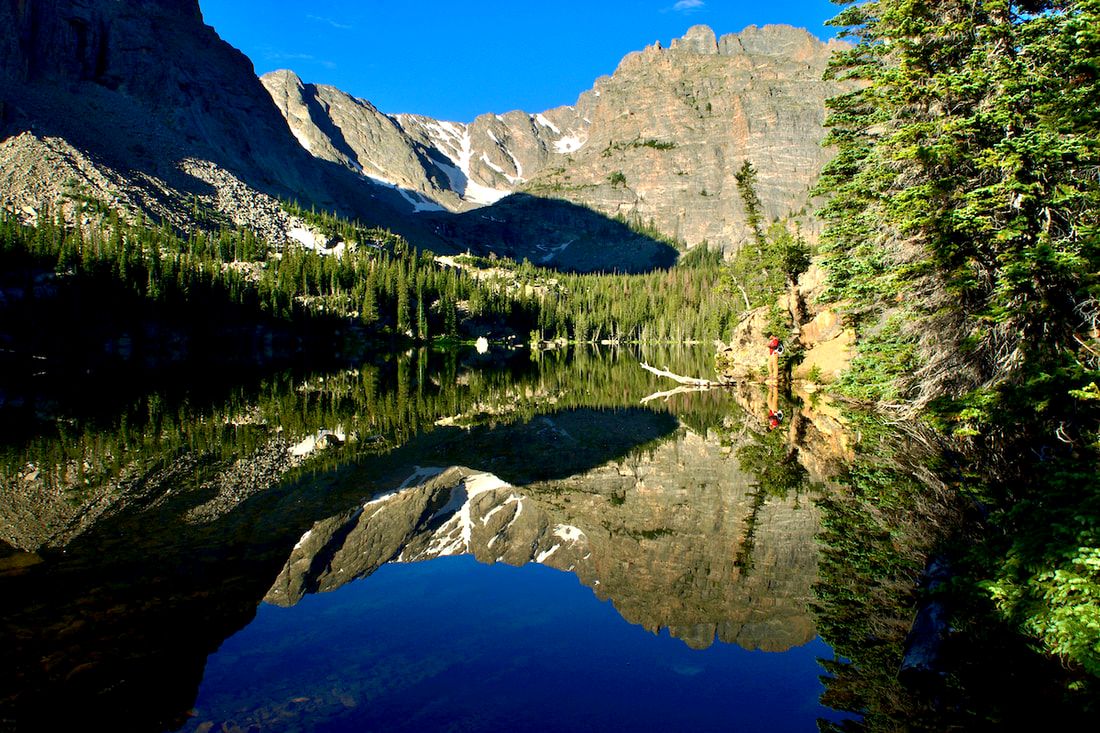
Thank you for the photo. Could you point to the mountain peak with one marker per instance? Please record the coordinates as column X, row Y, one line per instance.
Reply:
column 774, row 40
column 657, row 142
column 282, row 76
column 698, row 39
column 768, row 40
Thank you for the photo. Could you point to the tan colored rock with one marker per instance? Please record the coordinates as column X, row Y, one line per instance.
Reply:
column 827, row 358
column 745, row 358
column 828, row 344
column 656, row 143
column 677, row 124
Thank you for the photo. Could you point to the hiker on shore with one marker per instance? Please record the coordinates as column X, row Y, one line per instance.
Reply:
column 775, row 349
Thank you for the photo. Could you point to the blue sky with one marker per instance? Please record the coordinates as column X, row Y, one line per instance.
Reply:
column 455, row 60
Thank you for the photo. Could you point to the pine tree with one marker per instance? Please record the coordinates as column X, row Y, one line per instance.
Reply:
column 403, row 315
column 421, row 317
column 746, row 188
column 962, row 232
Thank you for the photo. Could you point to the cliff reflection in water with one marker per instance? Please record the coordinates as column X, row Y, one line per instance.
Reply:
column 662, row 533
column 138, row 541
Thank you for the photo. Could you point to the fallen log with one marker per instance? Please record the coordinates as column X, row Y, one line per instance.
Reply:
column 693, row 381
column 678, row 390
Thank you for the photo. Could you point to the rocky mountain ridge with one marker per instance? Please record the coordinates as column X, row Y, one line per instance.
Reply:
column 174, row 127
column 142, row 107
column 656, row 142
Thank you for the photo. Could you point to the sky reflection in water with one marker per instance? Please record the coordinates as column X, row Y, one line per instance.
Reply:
column 451, row 644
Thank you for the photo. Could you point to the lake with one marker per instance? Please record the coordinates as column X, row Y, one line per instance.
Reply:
column 432, row 541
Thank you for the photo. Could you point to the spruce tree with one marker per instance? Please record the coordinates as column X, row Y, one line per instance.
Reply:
column 963, row 223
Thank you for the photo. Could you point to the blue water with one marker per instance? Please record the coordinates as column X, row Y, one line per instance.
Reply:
column 453, row 645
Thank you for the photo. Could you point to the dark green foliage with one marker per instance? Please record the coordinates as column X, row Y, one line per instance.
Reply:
column 886, row 355
column 864, row 599
column 762, row 270
column 770, row 262
column 775, row 465
column 380, row 284
column 963, row 223
column 746, row 188
column 637, row 143
column 680, row 304
column 774, row 462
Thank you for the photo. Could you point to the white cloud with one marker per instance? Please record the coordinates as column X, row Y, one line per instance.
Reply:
column 346, row 27
column 689, row 6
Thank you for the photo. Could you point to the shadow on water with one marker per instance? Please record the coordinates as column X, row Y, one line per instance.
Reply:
column 165, row 530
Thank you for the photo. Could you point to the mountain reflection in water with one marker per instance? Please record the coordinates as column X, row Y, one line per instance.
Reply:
column 141, row 540
column 657, row 533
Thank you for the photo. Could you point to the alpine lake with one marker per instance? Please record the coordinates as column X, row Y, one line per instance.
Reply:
column 434, row 541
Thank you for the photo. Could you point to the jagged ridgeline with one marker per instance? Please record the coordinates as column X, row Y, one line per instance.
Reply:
column 368, row 279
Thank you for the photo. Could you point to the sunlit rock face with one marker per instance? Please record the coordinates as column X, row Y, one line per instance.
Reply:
column 676, row 536
column 657, row 142
column 678, row 122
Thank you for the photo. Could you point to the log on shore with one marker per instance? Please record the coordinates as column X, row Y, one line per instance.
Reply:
column 692, row 381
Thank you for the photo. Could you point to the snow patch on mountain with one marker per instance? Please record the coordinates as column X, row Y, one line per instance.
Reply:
column 541, row 119
column 568, row 144
column 419, row 201
column 568, row 533
column 542, row 556
column 455, row 534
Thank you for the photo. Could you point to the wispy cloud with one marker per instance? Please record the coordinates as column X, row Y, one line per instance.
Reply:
column 281, row 56
column 346, row 27
column 689, row 6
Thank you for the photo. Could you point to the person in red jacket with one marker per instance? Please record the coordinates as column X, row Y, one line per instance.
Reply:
column 775, row 348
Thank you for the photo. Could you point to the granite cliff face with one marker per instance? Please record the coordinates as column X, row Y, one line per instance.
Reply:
column 664, row 535
column 339, row 128
column 143, row 107
column 439, row 165
column 677, row 123
column 657, row 142
column 109, row 61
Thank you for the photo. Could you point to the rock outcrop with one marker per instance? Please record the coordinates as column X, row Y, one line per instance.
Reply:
column 148, row 78
column 827, row 343
column 351, row 132
column 670, row 127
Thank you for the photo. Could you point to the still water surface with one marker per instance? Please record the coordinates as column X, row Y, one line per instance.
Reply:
column 434, row 542
column 455, row 645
